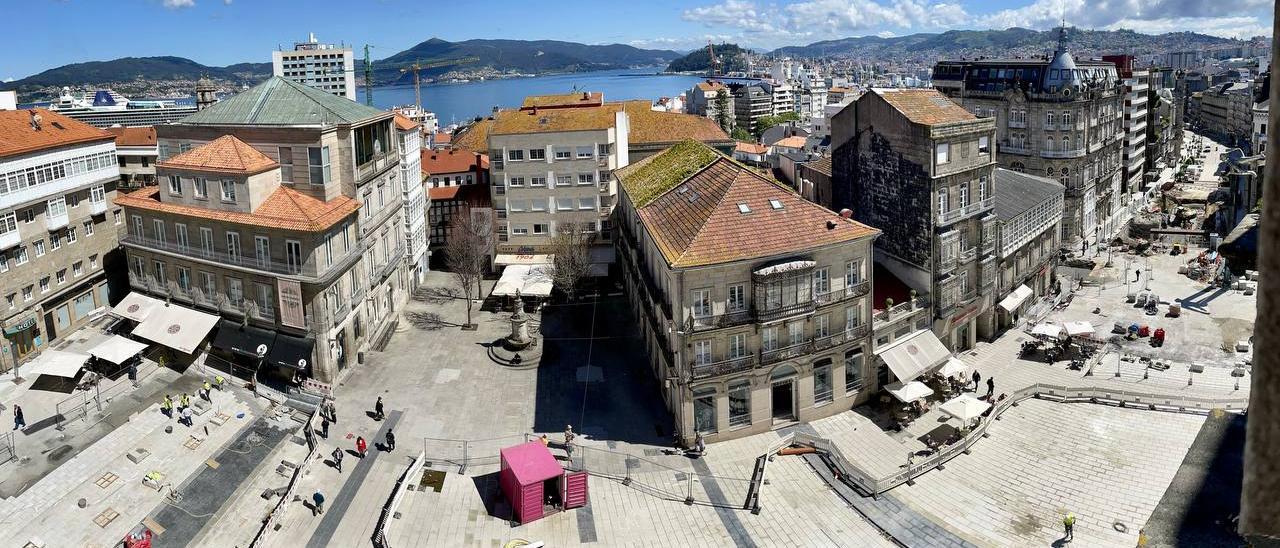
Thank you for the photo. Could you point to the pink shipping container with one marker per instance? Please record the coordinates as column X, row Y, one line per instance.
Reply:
column 534, row 483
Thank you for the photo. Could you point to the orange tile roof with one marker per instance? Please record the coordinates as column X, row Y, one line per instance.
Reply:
column 563, row 100
column 141, row 136
column 442, row 138
column 286, row 209
column 474, row 137
column 403, row 123
column 439, row 162
column 653, row 126
column 924, row 106
column 476, row 195
column 226, row 154
column 513, row 122
column 17, row 136
column 751, row 148
column 711, row 85
column 697, row 222
column 794, row 141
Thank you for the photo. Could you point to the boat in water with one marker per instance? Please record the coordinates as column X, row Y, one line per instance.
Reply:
column 105, row 108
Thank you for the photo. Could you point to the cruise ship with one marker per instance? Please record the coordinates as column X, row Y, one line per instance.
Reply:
column 105, row 108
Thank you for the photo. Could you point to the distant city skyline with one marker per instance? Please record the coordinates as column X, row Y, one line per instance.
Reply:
column 222, row 32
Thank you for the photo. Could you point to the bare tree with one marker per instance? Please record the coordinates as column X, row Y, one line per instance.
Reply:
column 572, row 248
column 466, row 252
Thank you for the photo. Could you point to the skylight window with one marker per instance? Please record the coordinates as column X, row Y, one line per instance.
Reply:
column 775, row 204
column 743, row 208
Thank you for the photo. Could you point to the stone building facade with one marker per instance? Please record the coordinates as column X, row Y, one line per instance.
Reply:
column 754, row 304
column 918, row 166
column 1029, row 210
column 1060, row 118
column 58, row 227
column 327, row 148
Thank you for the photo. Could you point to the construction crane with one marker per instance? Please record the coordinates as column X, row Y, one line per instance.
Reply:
column 715, row 63
column 368, row 76
column 418, row 66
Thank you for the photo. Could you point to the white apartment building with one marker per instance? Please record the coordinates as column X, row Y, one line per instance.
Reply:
column 58, row 228
column 322, row 66
column 414, row 198
column 550, row 165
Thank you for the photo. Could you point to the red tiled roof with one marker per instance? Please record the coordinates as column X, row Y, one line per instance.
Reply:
column 475, row 194
column 751, row 148
column 711, row 85
column 440, row 162
column 141, row 136
column 563, row 100
column 794, row 141
column 403, row 123
column 474, row 137
column 226, row 154
column 699, row 222
column 17, row 136
column 286, row 209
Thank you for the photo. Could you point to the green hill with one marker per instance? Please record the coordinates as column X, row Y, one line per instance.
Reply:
column 699, row 60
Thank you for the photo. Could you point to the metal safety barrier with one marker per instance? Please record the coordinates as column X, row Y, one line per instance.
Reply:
column 393, row 502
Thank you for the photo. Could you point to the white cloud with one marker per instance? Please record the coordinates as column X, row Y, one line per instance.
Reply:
column 811, row 20
column 683, row 42
column 178, row 4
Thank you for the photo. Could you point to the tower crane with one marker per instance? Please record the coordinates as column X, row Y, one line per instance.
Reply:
column 418, row 66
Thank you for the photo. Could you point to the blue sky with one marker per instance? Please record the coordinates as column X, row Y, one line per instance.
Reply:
column 220, row 32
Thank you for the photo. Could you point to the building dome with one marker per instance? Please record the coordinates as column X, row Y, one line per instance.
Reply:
column 1062, row 73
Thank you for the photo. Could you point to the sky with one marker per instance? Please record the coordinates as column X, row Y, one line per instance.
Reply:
column 222, row 32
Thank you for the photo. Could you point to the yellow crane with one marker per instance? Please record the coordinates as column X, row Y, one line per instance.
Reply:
column 418, row 66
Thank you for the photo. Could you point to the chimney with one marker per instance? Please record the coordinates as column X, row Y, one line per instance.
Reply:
column 831, row 225
column 585, row 96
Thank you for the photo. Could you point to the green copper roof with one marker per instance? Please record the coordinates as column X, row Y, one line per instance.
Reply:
column 281, row 102
column 651, row 177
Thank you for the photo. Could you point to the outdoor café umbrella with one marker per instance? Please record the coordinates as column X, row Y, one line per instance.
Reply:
column 965, row 407
column 953, row 367
column 1049, row 330
column 908, row 392
column 1079, row 329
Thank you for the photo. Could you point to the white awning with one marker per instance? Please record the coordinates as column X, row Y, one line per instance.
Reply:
column 505, row 259
column 135, row 306
column 914, row 354
column 531, row 281
column 176, row 327
column 1016, row 298
column 954, row 367
column 1046, row 329
column 59, row 363
column 1077, row 329
column 784, row 267
column 965, row 407
column 117, row 349
column 908, row 392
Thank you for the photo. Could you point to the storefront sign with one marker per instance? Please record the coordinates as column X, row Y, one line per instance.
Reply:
column 20, row 326
column 291, row 312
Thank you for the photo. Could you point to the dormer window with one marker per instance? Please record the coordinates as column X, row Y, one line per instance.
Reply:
column 228, row 190
column 175, row 185
column 775, row 204
column 744, row 209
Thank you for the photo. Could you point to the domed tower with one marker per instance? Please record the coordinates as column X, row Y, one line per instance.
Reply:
column 206, row 93
column 1062, row 73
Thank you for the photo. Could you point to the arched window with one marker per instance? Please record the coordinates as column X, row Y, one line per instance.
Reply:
column 1048, row 144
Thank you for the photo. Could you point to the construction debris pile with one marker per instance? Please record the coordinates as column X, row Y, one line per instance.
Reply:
column 1206, row 267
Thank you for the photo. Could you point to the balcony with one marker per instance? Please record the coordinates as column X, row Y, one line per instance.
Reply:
column 716, row 321
column 1070, row 153
column 977, row 207
column 57, row 221
column 603, row 187
column 949, row 216
column 722, row 366
column 223, row 259
column 785, row 353
column 389, row 265
column 946, row 264
column 10, row 239
column 375, row 166
column 858, row 332
column 968, row 254
column 1017, row 123
column 97, row 208
column 836, row 295
column 1021, row 150
column 780, row 312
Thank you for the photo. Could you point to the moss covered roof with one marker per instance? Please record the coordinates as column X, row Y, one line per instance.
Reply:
column 649, row 178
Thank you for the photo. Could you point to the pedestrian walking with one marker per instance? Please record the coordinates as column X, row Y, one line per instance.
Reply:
column 700, row 445
column 324, row 427
column 166, row 406
column 991, row 386
column 186, row 401
column 333, row 412
column 568, row 440
column 391, row 440
column 377, row 409
column 318, row 499
column 337, row 459
column 361, row 446
column 186, row 416
column 1069, row 523
column 1137, row 274
column 977, row 377
column 19, row 421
